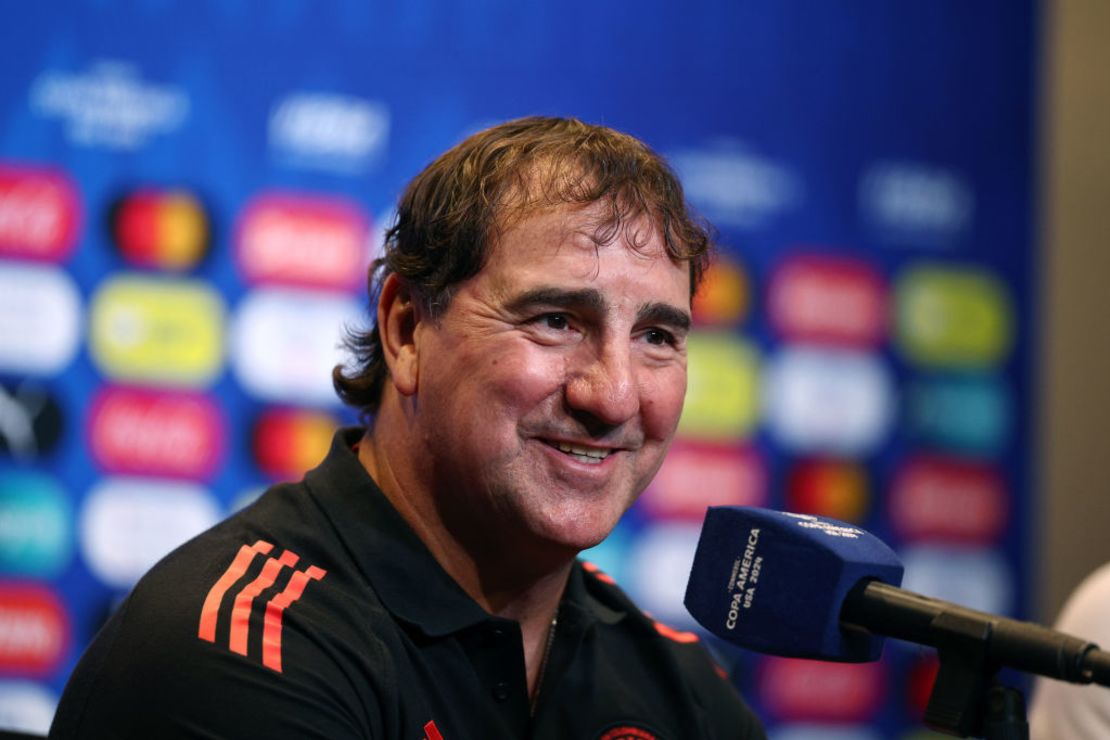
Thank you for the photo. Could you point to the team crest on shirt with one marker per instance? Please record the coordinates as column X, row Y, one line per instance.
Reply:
column 626, row 731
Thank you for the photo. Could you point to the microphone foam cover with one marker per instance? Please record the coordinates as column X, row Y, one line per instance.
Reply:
column 774, row 582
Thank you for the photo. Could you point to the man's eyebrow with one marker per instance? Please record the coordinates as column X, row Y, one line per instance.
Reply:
column 665, row 314
column 586, row 298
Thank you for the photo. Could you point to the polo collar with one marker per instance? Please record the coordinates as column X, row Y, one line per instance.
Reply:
column 408, row 580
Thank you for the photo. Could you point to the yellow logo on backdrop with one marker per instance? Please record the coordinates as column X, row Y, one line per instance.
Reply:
column 722, row 399
column 953, row 317
column 161, row 331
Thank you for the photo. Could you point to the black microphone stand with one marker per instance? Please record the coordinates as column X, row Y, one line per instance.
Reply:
column 967, row 699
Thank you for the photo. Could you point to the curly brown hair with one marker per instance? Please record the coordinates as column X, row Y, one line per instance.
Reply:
column 454, row 210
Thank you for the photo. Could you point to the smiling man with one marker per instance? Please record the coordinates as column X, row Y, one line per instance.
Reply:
column 521, row 384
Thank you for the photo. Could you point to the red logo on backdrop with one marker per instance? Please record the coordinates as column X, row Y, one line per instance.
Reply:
column 39, row 213
column 300, row 240
column 156, row 433
column 829, row 300
column 817, row 691
column 936, row 498
column 34, row 630
column 696, row 475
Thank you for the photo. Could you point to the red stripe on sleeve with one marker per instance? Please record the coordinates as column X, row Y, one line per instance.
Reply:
column 672, row 634
column 431, row 732
column 209, row 613
column 241, row 612
column 275, row 609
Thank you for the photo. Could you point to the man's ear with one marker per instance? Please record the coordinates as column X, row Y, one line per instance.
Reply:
column 398, row 316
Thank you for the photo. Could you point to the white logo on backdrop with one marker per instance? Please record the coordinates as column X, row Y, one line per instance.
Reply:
column 109, row 105
column 329, row 132
column 733, row 186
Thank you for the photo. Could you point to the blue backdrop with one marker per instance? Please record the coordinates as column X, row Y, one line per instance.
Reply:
column 189, row 193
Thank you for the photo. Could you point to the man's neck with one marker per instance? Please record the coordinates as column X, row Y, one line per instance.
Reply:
column 500, row 578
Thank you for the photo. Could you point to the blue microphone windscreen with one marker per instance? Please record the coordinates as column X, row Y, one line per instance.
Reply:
column 774, row 582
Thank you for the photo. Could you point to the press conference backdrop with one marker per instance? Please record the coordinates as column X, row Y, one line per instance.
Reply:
column 190, row 193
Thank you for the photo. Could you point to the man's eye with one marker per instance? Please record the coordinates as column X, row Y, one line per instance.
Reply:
column 659, row 336
column 555, row 321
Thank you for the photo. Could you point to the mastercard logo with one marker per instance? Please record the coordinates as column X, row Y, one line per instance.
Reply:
column 836, row 489
column 161, row 229
column 40, row 213
column 724, row 295
column 288, row 442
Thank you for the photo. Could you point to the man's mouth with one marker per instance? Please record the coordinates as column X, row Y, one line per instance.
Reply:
column 582, row 453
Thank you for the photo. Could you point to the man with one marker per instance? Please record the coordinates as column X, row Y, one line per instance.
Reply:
column 522, row 381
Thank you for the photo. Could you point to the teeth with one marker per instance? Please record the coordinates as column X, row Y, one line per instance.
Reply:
column 585, row 454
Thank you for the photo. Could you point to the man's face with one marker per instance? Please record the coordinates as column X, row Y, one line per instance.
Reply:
column 549, row 390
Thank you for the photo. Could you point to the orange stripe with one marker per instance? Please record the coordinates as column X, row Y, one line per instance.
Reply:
column 672, row 634
column 598, row 573
column 241, row 612
column 271, row 633
column 431, row 732
column 210, row 612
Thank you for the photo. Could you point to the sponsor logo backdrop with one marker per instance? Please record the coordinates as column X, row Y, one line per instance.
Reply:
column 190, row 194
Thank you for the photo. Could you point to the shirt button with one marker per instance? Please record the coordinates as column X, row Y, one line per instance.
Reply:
column 501, row 691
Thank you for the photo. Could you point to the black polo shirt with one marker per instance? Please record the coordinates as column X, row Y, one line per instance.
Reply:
column 318, row 613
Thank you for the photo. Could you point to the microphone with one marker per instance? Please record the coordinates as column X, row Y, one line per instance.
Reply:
column 803, row 586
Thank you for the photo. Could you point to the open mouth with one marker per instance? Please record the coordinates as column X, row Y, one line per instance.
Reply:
column 581, row 453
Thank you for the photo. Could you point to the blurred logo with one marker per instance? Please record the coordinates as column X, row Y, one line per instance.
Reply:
column 831, row 488
column 833, row 402
column 162, row 331
column 30, row 421
column 26, row 707
column 916, row 203
column 288, row 442
column 722, row 394
column 161, row 229
column 129, row 524
column 143, row 432
column 811, row 731
column 828, row 300
column 34, row 629
column 966, row 414
column 658, row 567
column 40, row 319
column 326, row 131
column 953, row 317
column 35, row 536
column 920, row 677
column 299, row 240
column 40, row 213
column 792, row 689
column 735, row 187
column 109, row 105
column 285, row 344
column 974, row 577
column 696, row 475
column 724, row 296
column 950, row 500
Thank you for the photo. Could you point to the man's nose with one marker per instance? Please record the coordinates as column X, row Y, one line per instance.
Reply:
column 603, row 384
